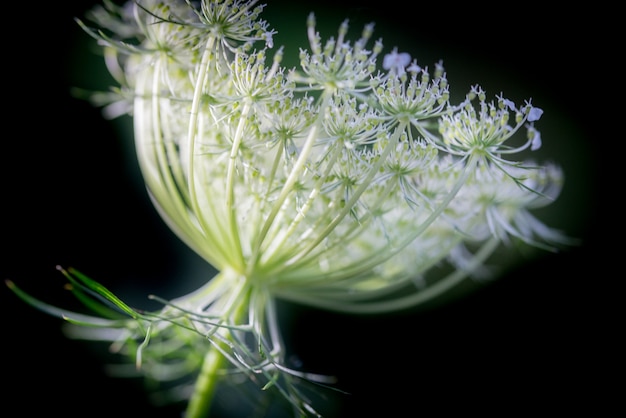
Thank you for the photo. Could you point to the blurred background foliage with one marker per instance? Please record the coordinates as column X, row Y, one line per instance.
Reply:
column 73, row 196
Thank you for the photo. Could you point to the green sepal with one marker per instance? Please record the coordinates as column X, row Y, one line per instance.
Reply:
column 96, row 306
column 76, row 277
column 70, row 316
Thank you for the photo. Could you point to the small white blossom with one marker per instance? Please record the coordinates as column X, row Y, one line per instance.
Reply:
column 535, row 139
column 396, row 61
column 414, row 68
column 534, row 114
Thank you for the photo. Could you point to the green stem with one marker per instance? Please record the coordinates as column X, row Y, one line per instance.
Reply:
column 215, row 359
column 200, row 403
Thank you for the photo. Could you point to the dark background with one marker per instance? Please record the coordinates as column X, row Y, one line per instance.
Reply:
column 536, row 339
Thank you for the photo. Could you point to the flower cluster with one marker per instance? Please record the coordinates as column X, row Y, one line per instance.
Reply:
column 345, row 184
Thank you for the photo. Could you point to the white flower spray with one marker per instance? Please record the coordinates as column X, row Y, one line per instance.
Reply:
column 343, row 184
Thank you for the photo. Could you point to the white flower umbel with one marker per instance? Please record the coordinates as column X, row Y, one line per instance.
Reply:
column 344, row 184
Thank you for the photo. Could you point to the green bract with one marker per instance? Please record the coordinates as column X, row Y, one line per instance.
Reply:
column 344, row 184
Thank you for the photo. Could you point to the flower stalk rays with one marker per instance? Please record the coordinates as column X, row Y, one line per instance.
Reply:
column 350, row 183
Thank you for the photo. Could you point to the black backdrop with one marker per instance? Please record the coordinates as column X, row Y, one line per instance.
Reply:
column 71, row 195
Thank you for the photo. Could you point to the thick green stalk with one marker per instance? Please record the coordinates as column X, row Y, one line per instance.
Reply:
column 201, row 400
column 200, row 403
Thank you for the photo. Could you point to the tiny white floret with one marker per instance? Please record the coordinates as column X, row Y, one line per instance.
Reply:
column 396, row 61
column 534, row 114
